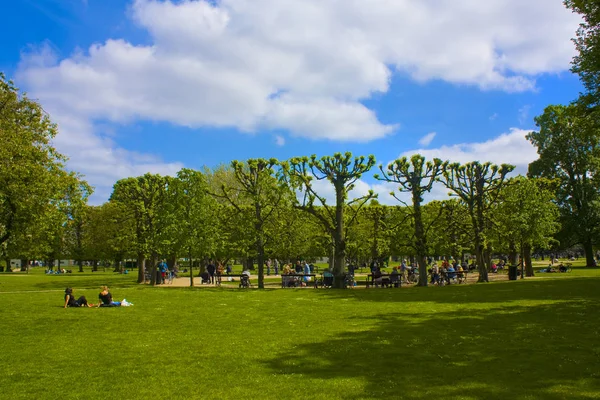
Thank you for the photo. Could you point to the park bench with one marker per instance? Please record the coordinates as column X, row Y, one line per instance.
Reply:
column 291, row 280
column 387, row 280
column 219, row 278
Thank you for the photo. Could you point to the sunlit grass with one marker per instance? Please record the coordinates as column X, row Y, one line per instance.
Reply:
column 531, row 339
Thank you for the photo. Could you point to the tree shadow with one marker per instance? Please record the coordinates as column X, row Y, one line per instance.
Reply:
column 545, row 351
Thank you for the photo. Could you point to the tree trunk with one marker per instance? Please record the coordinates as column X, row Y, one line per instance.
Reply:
column 7, row 261
column 141, row 264
column 421, row 245
column 80, row 264
column 339, row 263
column 261, row 262
column 95, row 265
column 191, row 267
column 512, row 254
column 589, row 252
column 527, row 259
column 118, row 266
column 153, row 260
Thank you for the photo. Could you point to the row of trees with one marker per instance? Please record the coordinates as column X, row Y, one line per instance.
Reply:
column 259, row 208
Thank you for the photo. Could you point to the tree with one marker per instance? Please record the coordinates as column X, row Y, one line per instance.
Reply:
column 110, row 234
column 417, row 178
column 261, row 191
column 587, row 62
column 76, row 209
column 143, row 197
column 449, row 234
column 370, row 237
column 192, row 208
column 342, row 171
column 478, row 186
column 568, row 143
column 30, row 168
column 526, row 216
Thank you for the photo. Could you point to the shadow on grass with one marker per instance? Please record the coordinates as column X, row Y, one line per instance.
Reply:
column 544, row 351
column 497, row 292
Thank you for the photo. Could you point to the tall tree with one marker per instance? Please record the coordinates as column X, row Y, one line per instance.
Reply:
column 568, row 143
column 526, row 216
column 478, row 186
column 193, row 208
column 342, row 171
column 417, row 178
column 76, row 209
column 30, row 168
column 143, row 197
column 259, row 190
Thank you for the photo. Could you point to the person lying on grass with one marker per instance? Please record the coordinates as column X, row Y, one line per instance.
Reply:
column 106, row 299
column 71, row 302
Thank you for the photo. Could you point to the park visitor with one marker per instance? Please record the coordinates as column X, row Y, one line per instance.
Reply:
column 211, row 271
column 106, row 299
column 71, row 302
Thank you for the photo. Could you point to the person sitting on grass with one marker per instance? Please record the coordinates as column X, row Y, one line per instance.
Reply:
column 106, row 299
column 71, row 302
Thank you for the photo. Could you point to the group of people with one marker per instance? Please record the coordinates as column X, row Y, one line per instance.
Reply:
column 105, row 299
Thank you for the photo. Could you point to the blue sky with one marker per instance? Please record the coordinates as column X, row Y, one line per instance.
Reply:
column 152, row 85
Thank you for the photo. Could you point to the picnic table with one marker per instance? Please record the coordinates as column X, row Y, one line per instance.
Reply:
column 286, row 279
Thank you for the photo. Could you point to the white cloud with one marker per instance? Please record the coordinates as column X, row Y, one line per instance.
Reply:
column 303, row 66
column 427, row 139
column 279, row 140
column 99, row 159
column 299, row 66
column 494, row 116
column 508, row 148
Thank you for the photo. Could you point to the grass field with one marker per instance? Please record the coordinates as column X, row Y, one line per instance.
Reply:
column 531, row 339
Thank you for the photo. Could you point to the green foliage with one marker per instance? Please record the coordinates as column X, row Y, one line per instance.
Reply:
column 342, row 171
column 478, row 186
column 257, row 194
column 587, row 42
column 417, row 178
column 31, row 170
column 568, row 143
column 526, row 213
column 144, row 198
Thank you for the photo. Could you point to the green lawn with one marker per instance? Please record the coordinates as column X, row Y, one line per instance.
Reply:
column 531, row 339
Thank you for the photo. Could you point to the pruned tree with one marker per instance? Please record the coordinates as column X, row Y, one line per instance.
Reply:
column 416, row 177
column 259, row 190
column 342, row 171
column 478, row 186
